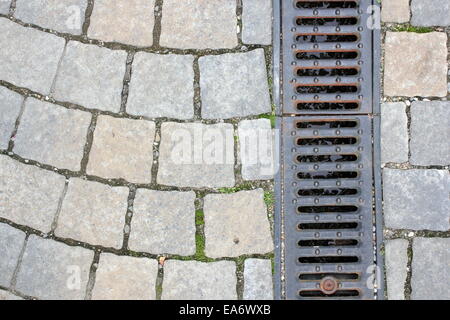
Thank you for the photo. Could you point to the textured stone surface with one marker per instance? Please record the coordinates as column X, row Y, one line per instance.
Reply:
column 256, row 149
column 430, row 269
column 162, row 86
column 5, row 295
column 125, row 278
column 430, row 12
column 234, row 85
column 257, row 22
column 192, row 280
column 11, row 242
column 159, row 218
column 395, row 11
column 4, row 6
column 91, row 76
column 394, row 132
column 430, row 133
column 122, row 148
column 415, row 64
column 258, row 280
column 52, row 134
column 416, row 199
column 199, row 24
column 125, row 21
column 236, row 224
column 396, row 263
column 63, row 16
column 10, row 103
column 29, row 58
column 28, row 195
column 196, row 155
column 53, row 270
column 94, row 213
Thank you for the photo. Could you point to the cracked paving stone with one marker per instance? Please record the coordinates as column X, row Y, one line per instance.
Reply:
column 199, row 24
column 162, row 86
column 124, row 21
column 52, row 270
column 29, row 195
column 94, row 213
column 125, row 278
column 256, row 149
column 236, row 224
column 257, row 22
column 430, row 133
column 29, row 58
column 91, row 76
column 196, row 155
column 11, row 243
column 258, row 279
column 161, row 216
column 234, row 85
column 430, row 269
column 63, row 16
column 5, row 296
column 395, row 11
column 10, row 104
column 415, row 64
column 430, row 13
column 193, row 280
column 416, row 199
column 396, row 264
column 122, row 148
column 394, row 133
column 52, row 134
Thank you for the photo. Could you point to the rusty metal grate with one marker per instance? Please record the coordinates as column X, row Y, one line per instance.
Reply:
column 329, row 184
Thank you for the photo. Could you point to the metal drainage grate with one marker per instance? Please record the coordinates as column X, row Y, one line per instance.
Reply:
column 327, row 220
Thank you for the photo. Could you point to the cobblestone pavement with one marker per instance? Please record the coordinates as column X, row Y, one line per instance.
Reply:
column 96, row 96
column 416, row 149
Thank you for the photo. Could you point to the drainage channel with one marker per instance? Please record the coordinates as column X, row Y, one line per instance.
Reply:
column 326, row 86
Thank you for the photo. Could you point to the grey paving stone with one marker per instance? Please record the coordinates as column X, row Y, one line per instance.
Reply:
column 257, row 22
column 10, row 104
column 11, row 243
column 258, row 280
column 234, row 85
column 53, row 270
column 416, row 199
column 120, row 21
column 160, row 217
column 29, row 57
column 394, row 133
column 193, row 280
column 196, row 155
column 122, row 148
column 4, row 6
column 91, row 76
column 29, row 195
column 430, row 269
column 125, row 278
column 395, row 11
column 236, row 224
column 430, row 133
column 430, row 12
column 199, row 24
column 63, row 16
column 257, row 150
column 415, row 64
column 5, row 295
column 52, row 134
column 396, row 264
column 94, row 213
column 162, row 86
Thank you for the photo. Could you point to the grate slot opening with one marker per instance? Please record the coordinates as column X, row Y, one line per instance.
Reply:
column 329, row 259
column 319, row 106
column 327, row 124
column 326, row 141
column 335, row 55
column 328, row 192
column 328, row 175
column 326, row 21
column 323, row 72
column 326, row 209
column 320, row 276
column 328, row 158
column 320, row 37
column 330, row 4
column 320, row 294
column 332, row 88
column 327, row 225
column 328, row 243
